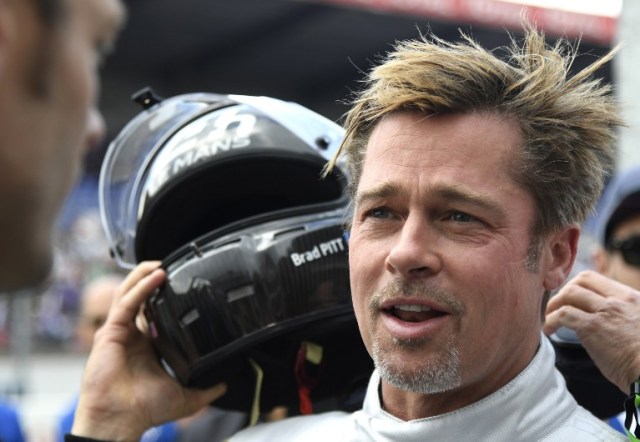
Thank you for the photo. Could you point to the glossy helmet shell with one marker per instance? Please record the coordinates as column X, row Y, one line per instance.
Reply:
column 193, row 163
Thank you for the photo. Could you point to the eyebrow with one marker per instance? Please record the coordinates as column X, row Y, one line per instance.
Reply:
column 479, row 200
column 449, row 193
column 383, row 190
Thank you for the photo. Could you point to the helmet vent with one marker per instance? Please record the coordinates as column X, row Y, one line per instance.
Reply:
column 240, row 293
column 189, row 318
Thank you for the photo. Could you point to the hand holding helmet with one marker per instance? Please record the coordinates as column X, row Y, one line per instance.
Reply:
column 122, row 377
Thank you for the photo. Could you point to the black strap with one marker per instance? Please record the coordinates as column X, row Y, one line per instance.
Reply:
column 72, row 438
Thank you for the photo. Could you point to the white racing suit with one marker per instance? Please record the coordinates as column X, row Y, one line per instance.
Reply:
column 535, row 406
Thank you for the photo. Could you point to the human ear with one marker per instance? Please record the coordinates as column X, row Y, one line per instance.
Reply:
column 560, row 251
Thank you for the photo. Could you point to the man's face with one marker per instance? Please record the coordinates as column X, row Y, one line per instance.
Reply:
column 612, row 264
column 438, row 252
column 96, row 302
column 48, row 119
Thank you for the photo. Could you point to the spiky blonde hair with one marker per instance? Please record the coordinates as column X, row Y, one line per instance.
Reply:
column 567, row 122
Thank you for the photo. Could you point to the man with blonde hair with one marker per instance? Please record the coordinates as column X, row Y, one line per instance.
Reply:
column 470, row 176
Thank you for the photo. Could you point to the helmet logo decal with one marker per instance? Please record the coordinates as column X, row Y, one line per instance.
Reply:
column 200, row 140
column 318, row 251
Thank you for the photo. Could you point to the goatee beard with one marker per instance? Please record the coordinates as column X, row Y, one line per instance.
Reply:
column 435, row 376
column 438, row 374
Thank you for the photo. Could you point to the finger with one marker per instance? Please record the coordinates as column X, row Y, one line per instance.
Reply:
column 566, row 316
column 141, row 321
column 128, row 306
column 197, row 398
column 603, row 285
column 139, row 272
column 576, row 295
column 549, row 328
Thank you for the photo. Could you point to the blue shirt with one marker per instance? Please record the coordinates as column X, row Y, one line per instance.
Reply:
column 10, row 429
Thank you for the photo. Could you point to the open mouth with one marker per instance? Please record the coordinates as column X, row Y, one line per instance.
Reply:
column 413, row 312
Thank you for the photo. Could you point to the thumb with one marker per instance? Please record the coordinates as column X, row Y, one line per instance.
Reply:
column 198, row 398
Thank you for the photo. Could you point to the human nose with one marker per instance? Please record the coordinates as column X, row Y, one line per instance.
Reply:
column 96, row 129
column 413, row 253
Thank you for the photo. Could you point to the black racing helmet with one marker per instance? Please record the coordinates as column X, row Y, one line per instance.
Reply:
column 193, row 163
column 227, row 191
column 271, row 302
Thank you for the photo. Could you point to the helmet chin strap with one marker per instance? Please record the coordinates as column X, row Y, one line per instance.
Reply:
column 255, row 407
column 308, row 368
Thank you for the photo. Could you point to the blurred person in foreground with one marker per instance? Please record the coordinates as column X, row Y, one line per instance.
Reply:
column 50, row 52
column 603, row 306
column 94, row 306
column 470, row 175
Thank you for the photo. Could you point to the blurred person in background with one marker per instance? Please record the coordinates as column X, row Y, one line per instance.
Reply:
column 603, row 306
column 10, row 428
column 618, row 229
column 50, row 53
column 94, row 306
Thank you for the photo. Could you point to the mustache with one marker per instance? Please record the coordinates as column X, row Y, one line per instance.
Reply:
column 416, row 289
